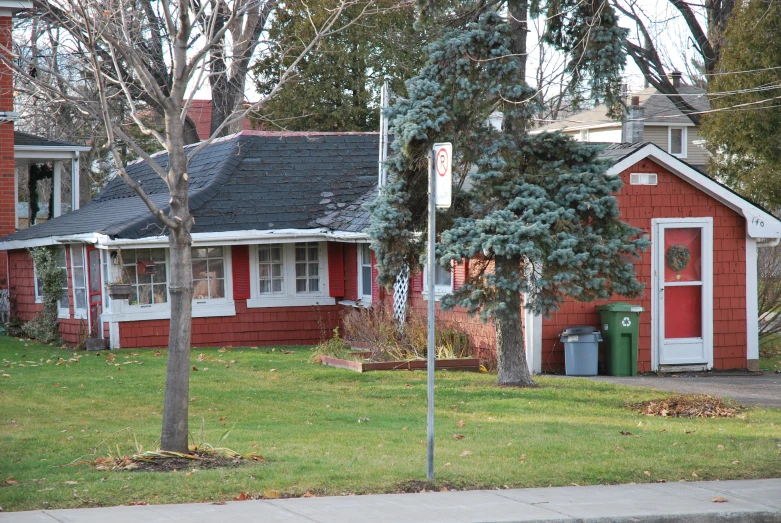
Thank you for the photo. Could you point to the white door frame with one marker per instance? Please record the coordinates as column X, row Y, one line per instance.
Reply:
column 657, row 272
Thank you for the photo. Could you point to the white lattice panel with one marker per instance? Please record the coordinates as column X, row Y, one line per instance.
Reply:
column 400, row 292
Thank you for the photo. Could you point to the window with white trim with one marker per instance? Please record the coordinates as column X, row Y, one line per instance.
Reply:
column 307, row 268
column 443, row 281
column 208, row 273
column 270, row 269
column 677, row 141
column 147, row 289
column 79, row 281
column 63, row 310
column 365, row 272
column 289, row 274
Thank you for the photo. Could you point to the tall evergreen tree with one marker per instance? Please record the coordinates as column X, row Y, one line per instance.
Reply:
column 539, row 216
column 743, row 133
column 337, row 86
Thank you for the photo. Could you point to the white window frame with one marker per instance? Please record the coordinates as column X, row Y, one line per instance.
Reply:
column 215, row 306
column 117, row 310
column 439, row 290
column 79, row 314
column 115, row 274
column 288, row 297
column 363, row 297
column 62, row 312
column 684, row 141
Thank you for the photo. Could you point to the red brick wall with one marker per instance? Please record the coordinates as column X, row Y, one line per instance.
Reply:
column 22, row 287
column 672, row 198
column 256, row 326
column 7, row 193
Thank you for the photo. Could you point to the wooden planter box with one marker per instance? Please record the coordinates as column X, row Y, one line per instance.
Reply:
column 120, row 291
column 470, row 364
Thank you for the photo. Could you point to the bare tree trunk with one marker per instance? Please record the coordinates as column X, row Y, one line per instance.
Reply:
column 510, row 350
column 517, row 11
column 180, row 289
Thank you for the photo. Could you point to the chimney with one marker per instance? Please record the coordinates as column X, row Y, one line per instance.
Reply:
column 675, row 78
column 634, row 123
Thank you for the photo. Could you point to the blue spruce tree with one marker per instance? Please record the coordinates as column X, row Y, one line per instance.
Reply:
column 535, row 214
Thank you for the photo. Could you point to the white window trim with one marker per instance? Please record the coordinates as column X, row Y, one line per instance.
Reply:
column 208, row 303
column 62, row 313
column 288, row 297
column 684, row 141
column 363, row 298
column 79, row 314
column 439, row 290
column 207, row 308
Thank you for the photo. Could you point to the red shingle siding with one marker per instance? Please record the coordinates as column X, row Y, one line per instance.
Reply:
column 376, row 294
column 673, row 198
column 266, row 326
column 22, row 286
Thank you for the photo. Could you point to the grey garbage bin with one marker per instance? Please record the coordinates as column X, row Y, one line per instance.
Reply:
column 581, row 350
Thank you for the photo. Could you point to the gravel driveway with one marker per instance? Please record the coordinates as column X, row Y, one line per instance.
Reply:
column 747, row 389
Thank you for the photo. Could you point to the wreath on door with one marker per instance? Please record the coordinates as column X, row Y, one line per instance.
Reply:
column 678, row 257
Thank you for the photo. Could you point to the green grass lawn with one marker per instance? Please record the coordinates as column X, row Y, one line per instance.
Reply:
column 770, row 355
column 304, row 418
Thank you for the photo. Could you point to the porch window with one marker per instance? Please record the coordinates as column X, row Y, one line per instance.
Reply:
column 208, row 273
column 147, row 289
column 79, row 279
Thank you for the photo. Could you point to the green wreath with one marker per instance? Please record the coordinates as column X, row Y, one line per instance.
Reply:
column 678, row 257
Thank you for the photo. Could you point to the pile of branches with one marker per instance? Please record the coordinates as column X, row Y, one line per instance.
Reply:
column 687, row 406
column 200, row 456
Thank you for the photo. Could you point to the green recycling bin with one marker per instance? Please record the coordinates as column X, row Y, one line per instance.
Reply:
column 620, row 331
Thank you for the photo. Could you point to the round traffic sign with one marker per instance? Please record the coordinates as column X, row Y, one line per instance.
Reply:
column 442, row 161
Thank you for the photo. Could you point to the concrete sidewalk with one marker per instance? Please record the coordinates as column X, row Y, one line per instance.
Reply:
column 747, row 501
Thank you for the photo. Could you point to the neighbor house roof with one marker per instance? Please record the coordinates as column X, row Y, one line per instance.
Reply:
column 248, row 181
column 657, row 110
column 30, row 140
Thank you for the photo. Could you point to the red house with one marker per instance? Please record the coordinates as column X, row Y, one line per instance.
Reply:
column 701, row 317
column 278, row 245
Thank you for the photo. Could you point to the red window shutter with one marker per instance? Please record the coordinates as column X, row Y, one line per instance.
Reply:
column 336, row 269
column 241, row 284
column 417, row 281
column 460, row 274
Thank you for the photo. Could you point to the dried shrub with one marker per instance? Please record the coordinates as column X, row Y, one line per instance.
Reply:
column 687, row 406
column 376, row 327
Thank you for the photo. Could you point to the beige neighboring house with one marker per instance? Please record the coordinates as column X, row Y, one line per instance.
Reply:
column 652, row 117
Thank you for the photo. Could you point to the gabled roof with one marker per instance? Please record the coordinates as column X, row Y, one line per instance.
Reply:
column 657, row 107
column 248, row 181
column 760, row 223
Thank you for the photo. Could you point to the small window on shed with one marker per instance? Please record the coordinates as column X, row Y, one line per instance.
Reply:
column 643, row 179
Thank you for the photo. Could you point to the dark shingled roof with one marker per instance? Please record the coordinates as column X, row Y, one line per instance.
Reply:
column 21, row 138
column 249, row 181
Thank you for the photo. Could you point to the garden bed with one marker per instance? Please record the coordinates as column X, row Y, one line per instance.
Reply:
column 468, row 364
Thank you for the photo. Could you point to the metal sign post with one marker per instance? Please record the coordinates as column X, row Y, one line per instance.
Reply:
column 439, row 196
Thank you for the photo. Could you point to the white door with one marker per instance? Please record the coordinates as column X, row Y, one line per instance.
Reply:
column 683, row 286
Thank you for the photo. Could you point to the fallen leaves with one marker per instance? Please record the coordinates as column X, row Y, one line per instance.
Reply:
column 686, row 406
column 458, row 436
column 461, row 424
column 465, row 453
column 719, row 499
